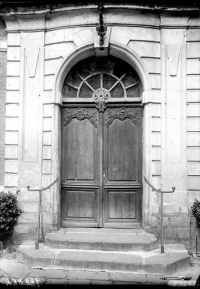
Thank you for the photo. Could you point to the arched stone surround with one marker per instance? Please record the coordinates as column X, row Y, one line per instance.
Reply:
column 68, row 62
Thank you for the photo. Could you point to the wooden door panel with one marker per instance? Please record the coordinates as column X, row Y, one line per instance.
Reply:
column 80, row 167
column 122, row 166
column 122, row 152
column 79, row 145
column 79, row 151
column 121, row 205
column 122, row 208
column 90, row 184
column 80, row 205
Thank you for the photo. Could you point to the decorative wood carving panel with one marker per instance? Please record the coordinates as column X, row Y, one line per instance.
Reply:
column 101, row 97
column 80, row 114
column 122, row 113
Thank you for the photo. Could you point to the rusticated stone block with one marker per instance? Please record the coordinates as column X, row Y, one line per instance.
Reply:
column 11, row 166
column 23, row 229
column 46, row 197
column 23, row 232
column 13, row 68
column 193, row 96
column 171, row 209
column 183, row 233
column 14, row 38
column 193, row 139
column 170, row 233
column 47, row 124
column 11, row 180
column 27, row 218
column 12, row 110
column 176, row 221
column 46, row 138
column 47, row 152
column 193, row 124
column 13, row 83
column 46, row 180
column 11, row 138
column 14, row 53
column 156, row 153
column 26, row 196
column 46, row 167
column 29, row 207
column 47, row 218
column 12, row 123
column 11, row 152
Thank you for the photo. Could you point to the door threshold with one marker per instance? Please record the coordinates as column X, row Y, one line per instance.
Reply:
column 102, row 230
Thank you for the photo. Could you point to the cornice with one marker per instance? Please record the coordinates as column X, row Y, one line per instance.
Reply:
column 156, row 27
column 56, row 8
column 136, row 17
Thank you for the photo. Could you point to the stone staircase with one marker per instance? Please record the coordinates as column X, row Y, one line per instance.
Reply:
column 116, row 250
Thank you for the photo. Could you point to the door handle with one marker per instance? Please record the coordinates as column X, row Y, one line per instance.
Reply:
column 104, row 176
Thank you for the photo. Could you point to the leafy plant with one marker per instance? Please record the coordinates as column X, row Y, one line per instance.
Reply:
column 9, row 212
column 196, row 210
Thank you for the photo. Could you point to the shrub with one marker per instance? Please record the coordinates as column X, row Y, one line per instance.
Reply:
column 196, row 210
column 9, row 212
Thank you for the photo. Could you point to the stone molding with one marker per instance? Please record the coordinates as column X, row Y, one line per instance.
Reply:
column 42, row 20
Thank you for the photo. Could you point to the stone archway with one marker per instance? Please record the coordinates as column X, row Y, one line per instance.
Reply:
column 67, row 64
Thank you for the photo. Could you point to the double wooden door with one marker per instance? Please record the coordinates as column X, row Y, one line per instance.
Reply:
column 101, row 166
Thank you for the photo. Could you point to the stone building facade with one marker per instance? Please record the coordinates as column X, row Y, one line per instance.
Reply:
column 39, row 46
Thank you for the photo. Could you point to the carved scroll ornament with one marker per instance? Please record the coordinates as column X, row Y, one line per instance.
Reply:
column 122, row 113
column 101, row 27
column 80, row 114
column 101, row 97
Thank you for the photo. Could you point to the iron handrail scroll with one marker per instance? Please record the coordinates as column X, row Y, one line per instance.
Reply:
column 161, row 208
column 158, row 190
column 39, row 207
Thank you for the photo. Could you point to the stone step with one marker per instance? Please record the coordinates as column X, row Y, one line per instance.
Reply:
column 102, row 239
column 174, row 258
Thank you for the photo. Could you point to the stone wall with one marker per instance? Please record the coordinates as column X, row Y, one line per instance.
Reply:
column 167, row 45
column 3, row 56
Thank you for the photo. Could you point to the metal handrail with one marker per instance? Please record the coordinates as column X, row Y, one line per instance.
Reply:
column 39, row 207
column 161, row 209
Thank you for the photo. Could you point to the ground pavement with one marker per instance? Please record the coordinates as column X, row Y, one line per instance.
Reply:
column 14, row 273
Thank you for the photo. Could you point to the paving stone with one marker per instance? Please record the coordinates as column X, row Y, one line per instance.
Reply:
column 181, row 283
column 88, row 275
column 79, row 281
column 48, row 273
column 119, row 283
column 14, row 268
column 155, row 279
column 126, row 276
column 53, row 281
column 42, row 280
column 101, row 282
column 4, row 280
column 37, row 257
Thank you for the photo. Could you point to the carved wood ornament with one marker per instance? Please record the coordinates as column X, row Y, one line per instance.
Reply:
column 122, row 113
column 101, row 97
column 80, row 114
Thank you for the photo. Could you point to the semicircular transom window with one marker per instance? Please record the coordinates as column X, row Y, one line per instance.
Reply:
column 109, row 76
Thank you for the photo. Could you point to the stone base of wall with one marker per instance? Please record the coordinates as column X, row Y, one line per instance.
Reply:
column 177, row 229
column 28, row 232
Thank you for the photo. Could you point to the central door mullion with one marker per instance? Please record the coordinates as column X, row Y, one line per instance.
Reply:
column 100, row 141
